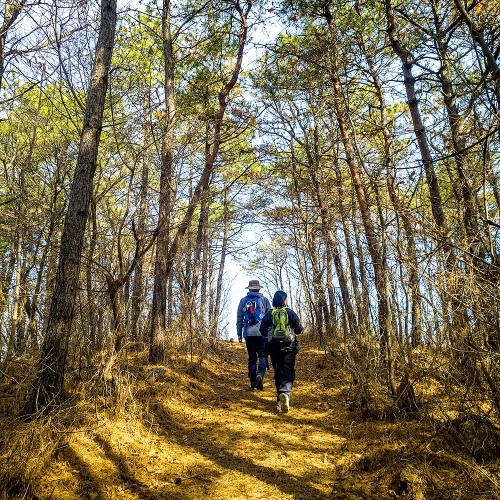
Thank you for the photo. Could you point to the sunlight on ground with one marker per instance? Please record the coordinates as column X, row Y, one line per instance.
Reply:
column 198, row 432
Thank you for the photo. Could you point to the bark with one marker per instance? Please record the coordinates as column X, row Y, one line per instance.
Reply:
column 11, row 11
column 159, row 307
column 222, row 263
column 157, row 339
column 362, row 311
column 403, row 211
column 458, row 139
column 90, row 258
column 137, row 285
column 407, row 61
column 49, row 380
column 385, row 329
column 478, row 37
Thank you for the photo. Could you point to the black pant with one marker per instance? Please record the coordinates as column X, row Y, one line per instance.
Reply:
column 256, row 347
column 283, row 361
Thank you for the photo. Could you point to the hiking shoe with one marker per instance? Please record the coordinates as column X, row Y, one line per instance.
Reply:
column 260, row 384
column 285, row 402
column 253, row 389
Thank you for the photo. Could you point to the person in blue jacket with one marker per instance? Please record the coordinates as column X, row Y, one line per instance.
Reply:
column 282, row 348
column 251, row 310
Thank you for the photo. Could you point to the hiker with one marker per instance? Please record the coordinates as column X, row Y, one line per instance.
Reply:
column 251, row 310
column 280, row 326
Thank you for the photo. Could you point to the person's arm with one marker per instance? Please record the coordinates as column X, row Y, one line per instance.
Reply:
column 239, row 323
column 267, row 305
column 264, row 324
column 295, row 322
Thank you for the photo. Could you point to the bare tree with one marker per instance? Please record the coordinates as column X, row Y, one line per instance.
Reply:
column 158, row 331
column 49, row 380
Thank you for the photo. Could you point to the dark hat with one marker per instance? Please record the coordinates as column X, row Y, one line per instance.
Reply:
column 254, row 285
column 279, row 298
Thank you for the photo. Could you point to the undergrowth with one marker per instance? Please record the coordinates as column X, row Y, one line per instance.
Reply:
column 436, row 439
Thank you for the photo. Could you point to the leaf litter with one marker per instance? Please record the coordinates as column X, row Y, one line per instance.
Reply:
column 196, row 431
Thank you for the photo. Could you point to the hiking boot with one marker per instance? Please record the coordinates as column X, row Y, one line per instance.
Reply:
column 285, row 402
column 253, row 389
column 260, row 379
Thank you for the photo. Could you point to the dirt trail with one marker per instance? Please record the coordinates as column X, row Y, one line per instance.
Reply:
column 200, row 433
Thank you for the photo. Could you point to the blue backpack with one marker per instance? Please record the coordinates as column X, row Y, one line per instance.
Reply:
column 252, row 311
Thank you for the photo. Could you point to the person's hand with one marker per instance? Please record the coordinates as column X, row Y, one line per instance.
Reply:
column 240, row 338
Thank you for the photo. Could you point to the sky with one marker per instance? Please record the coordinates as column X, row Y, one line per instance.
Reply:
column 238, row 279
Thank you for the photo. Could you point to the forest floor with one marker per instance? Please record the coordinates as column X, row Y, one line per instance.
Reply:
column 192, row 430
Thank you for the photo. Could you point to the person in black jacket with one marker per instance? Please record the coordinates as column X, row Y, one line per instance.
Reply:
column 283, row 349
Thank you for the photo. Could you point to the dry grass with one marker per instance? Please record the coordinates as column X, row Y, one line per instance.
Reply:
column 191, row 430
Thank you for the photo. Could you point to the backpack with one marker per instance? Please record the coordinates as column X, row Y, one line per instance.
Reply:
column 253, row 312
column 281, row 331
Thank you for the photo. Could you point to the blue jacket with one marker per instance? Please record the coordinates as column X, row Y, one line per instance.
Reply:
column 241, row 327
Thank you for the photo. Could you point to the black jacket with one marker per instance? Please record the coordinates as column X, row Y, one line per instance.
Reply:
column 267, row 322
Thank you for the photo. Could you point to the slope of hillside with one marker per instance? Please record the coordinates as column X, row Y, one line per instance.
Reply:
column 191, row 431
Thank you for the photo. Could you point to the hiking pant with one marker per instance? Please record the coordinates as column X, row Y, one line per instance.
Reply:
column 283, row 362
column 256, row 347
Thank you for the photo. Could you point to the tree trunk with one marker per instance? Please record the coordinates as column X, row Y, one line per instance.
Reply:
column 222, row 263
column 452, row 291
column 402, row 210
column 91, row 307
column 49, row 381
column 156, row 353
column 137, row 284
column 11, row 11
column 159, row 307
column 457, row 136
column 376, row 254
column 409, row 81
column 362, row 315
column 191, row 302
column 478, row 37
column 204, row 318
column 333, row 247
column 11, row 346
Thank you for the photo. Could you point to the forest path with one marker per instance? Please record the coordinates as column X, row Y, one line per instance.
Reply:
column 201, row 433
